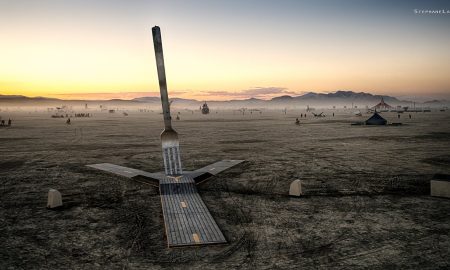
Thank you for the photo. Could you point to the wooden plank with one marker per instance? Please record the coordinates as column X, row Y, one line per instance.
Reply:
column 206, row 220
column 196, row 223
column 182, row 220
column 179, row 223
column 201, row 220
column 219, row 166
column 188, row 230
column 186, row 217
column 181, row 216
column 125, row 171
column 167, row 222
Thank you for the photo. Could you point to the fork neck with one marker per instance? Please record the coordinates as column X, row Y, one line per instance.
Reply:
column 157, row 42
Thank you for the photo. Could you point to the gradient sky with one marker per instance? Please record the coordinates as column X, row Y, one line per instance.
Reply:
column 223, row 49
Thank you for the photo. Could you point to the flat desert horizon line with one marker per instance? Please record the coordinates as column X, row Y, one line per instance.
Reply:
column 129, row 96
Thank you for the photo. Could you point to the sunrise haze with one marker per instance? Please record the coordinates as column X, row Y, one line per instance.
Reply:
column 223, row 49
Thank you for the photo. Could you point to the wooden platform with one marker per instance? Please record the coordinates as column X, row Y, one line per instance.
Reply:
column 186, row 218
column 199, row 175
column 125, row 171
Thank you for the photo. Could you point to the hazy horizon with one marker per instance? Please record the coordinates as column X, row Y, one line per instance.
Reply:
column 93, row 97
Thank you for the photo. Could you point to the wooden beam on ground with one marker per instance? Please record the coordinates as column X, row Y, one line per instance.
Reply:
column 187, row 220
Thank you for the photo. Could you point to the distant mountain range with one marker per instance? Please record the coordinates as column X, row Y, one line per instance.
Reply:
column 338, row 98
column 437, row 102
column 22, row 98
column 348, row 95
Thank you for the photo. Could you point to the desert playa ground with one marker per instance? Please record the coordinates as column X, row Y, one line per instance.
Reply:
column 366, row 202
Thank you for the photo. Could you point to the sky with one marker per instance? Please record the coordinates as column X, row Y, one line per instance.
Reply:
column 220, row 50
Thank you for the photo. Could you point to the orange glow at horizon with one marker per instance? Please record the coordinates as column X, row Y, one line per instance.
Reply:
column 63, row 51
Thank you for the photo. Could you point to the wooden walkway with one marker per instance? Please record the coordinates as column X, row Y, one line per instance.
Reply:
column 186, row 217
column 125, row 171
column 187, row 220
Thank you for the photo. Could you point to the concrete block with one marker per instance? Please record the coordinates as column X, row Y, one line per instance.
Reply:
column 440, row 188
column 54, row 199
column 295, row 188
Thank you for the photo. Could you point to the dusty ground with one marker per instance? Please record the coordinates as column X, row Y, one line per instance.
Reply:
column 366, row 203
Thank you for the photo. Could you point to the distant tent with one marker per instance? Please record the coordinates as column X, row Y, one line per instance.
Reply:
column 376, row 119
column 204, row 108
column 382, row 106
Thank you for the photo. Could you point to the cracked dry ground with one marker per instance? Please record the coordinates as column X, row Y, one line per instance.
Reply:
column 366, row 202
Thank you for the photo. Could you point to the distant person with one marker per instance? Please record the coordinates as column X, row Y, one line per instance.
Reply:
column 398, row 116
column 9, row 122
column 68, row 121
column 3, row 123
column 301, row 115
column 333, row 114
column 297, row 122
column 409, row 116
